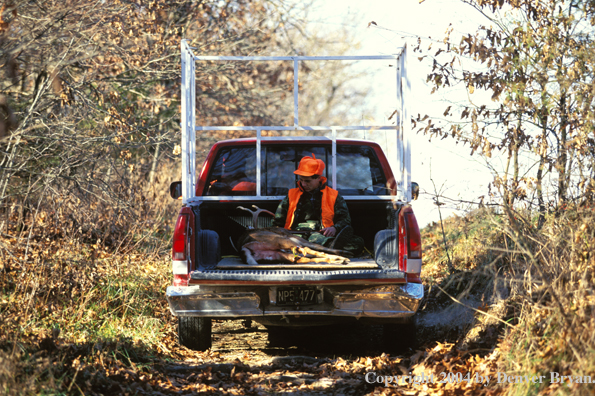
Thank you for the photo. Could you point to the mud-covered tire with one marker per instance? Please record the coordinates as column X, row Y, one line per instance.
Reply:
column 399, row 337
column 194, row 333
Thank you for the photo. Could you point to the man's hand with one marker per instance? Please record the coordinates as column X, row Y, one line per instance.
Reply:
column 328, row 231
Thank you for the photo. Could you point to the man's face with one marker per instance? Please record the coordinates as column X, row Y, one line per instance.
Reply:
column 309, row 184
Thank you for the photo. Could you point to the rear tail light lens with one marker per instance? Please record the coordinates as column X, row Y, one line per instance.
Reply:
column 413, row 237
column 180, row 238
column 180, row 280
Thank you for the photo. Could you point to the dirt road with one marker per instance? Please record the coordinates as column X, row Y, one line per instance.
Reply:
column 250, row 359
column 326, row 360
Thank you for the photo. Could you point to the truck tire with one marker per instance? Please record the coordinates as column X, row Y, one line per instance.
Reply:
column 194, row 333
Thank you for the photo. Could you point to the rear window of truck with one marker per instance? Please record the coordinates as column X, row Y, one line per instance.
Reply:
column 234, row 170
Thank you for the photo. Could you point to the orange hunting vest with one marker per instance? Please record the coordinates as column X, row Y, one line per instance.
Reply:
column 329, row 196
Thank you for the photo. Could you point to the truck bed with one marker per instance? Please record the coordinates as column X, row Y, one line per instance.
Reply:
column 367, row 218
column 355, row 263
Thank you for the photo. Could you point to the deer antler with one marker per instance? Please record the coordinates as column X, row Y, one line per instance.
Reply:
column 255, row 214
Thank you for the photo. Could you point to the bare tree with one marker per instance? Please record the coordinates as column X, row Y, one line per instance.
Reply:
column 537, row 66
column 89, row 93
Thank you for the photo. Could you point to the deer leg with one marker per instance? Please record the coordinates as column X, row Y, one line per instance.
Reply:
column 328, row 260
column 320, row 257
column 247, row 256
column 324, row 249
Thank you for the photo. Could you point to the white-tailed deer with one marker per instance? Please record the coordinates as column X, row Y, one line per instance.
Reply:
column 275, row 245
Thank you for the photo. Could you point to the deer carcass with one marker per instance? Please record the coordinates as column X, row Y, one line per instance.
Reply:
column 278, row 245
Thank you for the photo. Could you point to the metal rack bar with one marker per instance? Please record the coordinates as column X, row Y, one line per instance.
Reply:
column 402, row 174
column 294, row 58
column 293, row 128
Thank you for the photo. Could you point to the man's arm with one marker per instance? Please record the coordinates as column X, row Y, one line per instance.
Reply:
column 342, row 218
column 281, row 213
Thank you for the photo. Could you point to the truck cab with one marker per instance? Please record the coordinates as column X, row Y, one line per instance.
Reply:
column 383, row 285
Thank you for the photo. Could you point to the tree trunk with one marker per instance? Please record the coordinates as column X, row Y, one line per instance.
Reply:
column 155, row 155
column 515, row 162
column 562, row 151
column 542, row 150
column 154, row 164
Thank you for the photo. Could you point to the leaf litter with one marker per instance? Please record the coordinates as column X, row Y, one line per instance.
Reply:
column 82, row 319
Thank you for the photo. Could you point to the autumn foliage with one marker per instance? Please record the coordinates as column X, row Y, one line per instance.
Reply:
column 532, row 62
column 89, row 123
column 527, row 110
column 90, row 95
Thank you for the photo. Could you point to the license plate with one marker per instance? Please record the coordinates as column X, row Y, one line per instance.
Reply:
column 296, row 295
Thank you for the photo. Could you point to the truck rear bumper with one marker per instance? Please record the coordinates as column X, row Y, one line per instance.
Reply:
column 385, row 301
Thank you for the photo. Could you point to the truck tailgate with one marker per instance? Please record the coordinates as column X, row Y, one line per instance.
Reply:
column 231, row 270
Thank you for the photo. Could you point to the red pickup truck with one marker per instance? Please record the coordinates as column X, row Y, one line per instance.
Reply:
column 210, row 280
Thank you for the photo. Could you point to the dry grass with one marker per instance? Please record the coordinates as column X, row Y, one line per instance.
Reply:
column 82, row 283
column 547, row 321
column 554, row 271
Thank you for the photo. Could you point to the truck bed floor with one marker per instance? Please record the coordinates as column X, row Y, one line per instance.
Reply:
column 356, row 263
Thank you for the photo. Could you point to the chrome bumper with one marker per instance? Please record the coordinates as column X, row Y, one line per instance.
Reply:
column 387, row 301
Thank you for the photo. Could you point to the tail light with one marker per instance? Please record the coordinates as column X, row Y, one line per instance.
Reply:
column 413, row 236
column 180, row 254
column 410, row 243
column 179, row 249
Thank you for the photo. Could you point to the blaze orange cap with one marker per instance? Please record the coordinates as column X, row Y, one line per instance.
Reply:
column 310, row 166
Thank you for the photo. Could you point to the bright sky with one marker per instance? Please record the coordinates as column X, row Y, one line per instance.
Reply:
column 454, row 172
